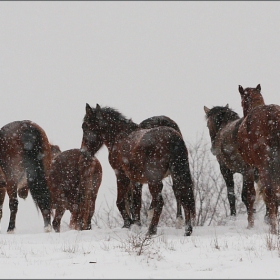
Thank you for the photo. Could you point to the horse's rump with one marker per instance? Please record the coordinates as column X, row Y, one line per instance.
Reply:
column 64, row 177
column 25, row 156
column 157, row 121
column 258, row 135
column 75, row 180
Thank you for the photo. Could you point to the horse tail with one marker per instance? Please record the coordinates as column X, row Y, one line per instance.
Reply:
column 33, row 153
column 180, row 172
column 274, row 162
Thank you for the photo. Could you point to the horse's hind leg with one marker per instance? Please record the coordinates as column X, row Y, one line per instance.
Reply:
column 13, row 205
column 57, row 219
column 248, row 196
column 182, row 196
column 179, row 216
column 228, row 177
column 2, row 198
column 136, row 203
column 157, row 200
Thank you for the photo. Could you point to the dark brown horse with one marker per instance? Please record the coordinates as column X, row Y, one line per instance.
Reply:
column 134, row 194
column 223, row 124
column 22, row 184
column 141, row 156
column 25, row 151
column 259, row 145
column 75, row 180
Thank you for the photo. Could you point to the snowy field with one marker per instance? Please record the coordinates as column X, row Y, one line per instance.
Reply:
column 229, row 251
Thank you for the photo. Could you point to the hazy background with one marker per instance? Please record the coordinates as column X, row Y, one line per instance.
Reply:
column 143, row 58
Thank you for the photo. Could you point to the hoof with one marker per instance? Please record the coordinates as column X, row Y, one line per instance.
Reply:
column 127, row 223
column 188, row 231
column 152, row 231
column 266, row 219
column 150, row 215
column 11, row 230
column 179, row 223
column 137, row 223
column 48, row 228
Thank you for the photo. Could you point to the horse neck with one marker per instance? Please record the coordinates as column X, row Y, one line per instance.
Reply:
column 119, row 131
column 215, row 137
column 248, row 106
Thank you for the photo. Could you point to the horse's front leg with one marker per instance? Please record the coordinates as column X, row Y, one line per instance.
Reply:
column 136, row 203
column 123, row 187
column 13, row 205
column 269, row 199
column 228, row 177
column 57, row 219
column 157, row 202
column 249, row 195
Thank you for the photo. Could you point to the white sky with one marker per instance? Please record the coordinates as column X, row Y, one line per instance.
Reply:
column 143, row 58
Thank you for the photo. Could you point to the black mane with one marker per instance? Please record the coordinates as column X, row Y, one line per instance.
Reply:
column 111, row 115
column 222, row 115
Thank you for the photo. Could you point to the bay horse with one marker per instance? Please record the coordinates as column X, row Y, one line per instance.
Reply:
column 135, row 192
column 22, row 184
column 75, row 179
column 25, row 151
column 223, row 124
column 259, row 145
column 141, row 156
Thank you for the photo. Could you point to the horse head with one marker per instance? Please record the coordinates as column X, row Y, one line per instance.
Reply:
column 92, row 134
column 250, row 98
column 217, row 118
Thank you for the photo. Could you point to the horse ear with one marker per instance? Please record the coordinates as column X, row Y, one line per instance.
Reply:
column 98, row 111
column 206, row 110
column 241, row 90
column 258, row 87
column 227, row 105
column 88, row 109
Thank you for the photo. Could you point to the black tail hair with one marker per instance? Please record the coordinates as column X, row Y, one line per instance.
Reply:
column 36, row 175
column 180, row 171
column 274, row 162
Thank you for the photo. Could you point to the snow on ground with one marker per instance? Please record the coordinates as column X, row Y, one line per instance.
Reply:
column 229, row 251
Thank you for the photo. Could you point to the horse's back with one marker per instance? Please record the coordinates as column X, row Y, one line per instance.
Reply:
column 259, row 132
column 142, row 141
column 145, row 151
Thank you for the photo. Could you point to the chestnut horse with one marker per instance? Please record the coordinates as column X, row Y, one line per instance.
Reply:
column 259, row 145
column 141, row 156
column 134, row 194
column 75, row 180
column 223, row 124
column 25, row 151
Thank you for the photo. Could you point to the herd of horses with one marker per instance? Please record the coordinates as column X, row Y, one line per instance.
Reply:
column 140, row 154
